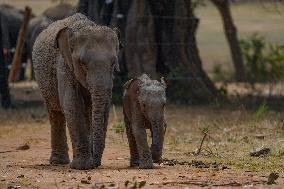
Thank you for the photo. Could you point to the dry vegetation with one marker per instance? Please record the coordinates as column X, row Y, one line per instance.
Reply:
column 233, row 131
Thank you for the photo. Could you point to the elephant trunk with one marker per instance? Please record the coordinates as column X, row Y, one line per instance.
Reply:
column 100, row 109
column 157, row 141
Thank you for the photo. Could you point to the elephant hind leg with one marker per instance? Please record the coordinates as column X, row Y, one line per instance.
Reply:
column 59, row 154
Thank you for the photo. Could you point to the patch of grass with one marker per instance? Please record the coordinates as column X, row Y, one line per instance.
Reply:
column 119, row 127
column 261, row 111
column 233, row 132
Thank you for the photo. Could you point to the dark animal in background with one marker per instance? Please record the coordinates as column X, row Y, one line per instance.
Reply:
column 50, row 15
column 41, row 22
column 74, row 61
column 143, row 107
column 4, row 89
column 11, row 21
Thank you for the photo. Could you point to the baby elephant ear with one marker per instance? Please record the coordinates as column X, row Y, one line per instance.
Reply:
column 116, row 66
column 117, row 31
column 163, row 82
column 62, row 42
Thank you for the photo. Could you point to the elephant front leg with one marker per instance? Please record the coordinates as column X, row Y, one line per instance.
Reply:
column 145, row 155
column 82, row 157
column 59, row 154
column 134, row 156
column 72, row 103
column 76, row 122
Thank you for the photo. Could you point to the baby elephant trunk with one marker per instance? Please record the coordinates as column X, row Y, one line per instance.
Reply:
column 158, row 132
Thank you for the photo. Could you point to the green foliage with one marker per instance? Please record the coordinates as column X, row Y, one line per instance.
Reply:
column 204, row 130
column 218, row 74
column 261, row 111
column 223, row 89
column 119, row 127
column 197, row 3
column 189, row 88
column 264, row 63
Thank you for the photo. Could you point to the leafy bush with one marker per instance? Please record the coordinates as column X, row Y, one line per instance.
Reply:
column 221, row 75
column 264, row 63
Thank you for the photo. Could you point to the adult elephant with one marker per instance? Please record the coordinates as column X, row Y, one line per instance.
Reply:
column 74, row 60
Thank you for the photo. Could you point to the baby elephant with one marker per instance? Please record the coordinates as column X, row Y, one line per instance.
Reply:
column 143, row 107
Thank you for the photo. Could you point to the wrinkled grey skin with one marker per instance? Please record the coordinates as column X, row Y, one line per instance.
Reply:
column 143, row 106
column 74, row 60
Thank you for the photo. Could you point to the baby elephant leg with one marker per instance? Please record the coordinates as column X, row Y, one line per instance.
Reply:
column 145, row 156
column 59, row 154
column 134, row 156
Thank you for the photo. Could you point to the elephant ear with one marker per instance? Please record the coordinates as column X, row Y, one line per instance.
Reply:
column 118, row 34
column 126, row 85
column 63, row 44
column 163, row 82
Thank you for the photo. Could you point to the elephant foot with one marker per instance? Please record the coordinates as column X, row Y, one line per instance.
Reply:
column 146, row 164
column 59, row 158
column 82, row 163
column 157, row 160
column 97, row 163
column 134, row 163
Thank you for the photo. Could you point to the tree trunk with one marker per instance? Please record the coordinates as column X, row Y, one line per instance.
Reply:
column 17, row 59
column 232, row 38
column 4, row 89
column 119, row 20
column 160, row 40
column 140, row 52
column 178, row 55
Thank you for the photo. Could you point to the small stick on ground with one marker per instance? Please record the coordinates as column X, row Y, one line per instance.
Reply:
column 205, row 132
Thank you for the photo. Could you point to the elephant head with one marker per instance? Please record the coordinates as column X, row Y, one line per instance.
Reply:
column 152, row 100
column 92, row 58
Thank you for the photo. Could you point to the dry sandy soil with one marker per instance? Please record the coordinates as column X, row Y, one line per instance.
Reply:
column 232, row 134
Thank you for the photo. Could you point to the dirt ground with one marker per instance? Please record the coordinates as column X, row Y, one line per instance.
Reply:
column 224, row 162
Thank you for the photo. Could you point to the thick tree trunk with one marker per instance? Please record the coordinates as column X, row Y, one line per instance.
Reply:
column 232, row 37
column 160, row 40
column 119, row 20
column 178, row 55
column 4, row 89
column 140, row 52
